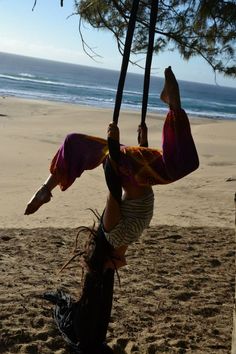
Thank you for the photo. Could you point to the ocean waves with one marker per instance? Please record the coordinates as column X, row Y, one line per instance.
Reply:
column 41, row 79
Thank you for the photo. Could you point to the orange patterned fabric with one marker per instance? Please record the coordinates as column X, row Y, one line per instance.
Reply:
column 138, row 165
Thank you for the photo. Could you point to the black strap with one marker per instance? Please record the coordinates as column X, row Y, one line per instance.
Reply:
column 146, row 84
column 126, row 56
column 125, row 61
column 112, row 179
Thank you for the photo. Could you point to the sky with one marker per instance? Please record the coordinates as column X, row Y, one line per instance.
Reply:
column 50, row 32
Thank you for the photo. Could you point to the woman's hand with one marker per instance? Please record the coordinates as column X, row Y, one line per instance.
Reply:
column 113, row 132
column 143, row 135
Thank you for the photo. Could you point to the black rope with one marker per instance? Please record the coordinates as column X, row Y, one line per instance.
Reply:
column 125, row 61
column 146, row 84
column 112, row 179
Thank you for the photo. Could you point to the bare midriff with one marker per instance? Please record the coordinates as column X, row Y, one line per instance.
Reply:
column 133, row 191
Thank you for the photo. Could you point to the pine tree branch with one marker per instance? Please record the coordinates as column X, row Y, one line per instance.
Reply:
column 35, row 2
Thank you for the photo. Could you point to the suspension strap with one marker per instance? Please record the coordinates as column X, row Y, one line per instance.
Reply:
column 112, row 179
column 125, row 61
column 114, row 146
column 146, row 84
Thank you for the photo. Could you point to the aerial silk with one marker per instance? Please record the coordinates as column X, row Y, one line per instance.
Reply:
column 141, row 166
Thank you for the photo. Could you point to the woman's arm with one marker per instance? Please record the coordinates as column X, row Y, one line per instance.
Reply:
column 112, row 214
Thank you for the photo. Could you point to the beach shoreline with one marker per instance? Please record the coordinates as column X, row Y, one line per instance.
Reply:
column 33, row 130
column 124, row 110
column 178, row 287
column 29, row 77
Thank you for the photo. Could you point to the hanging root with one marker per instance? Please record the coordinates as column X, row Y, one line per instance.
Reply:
column 95, row 213
column 35, row 2
column 89, row 245
column 86, row 256
column 77, row 250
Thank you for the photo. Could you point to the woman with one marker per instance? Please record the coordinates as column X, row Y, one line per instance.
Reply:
column 137, row 170
column 130, row 173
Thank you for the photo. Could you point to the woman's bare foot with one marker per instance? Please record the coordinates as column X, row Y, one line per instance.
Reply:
column 42, row 196
column 170, row 93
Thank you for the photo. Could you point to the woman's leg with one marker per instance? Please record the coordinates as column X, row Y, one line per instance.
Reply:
column 170, row 93
column 179, row 152
column 112, row 214
column 42, row 196
column 78, row 153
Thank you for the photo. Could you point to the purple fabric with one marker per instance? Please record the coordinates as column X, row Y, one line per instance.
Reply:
column 138, row 165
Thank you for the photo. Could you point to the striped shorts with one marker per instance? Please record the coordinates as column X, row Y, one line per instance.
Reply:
column 136, row 215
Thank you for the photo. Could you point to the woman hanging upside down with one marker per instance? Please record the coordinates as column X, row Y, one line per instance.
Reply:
column 130, row 174
column 137, row 169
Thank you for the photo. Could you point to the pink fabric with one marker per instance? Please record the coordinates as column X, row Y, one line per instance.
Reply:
column 139, row 165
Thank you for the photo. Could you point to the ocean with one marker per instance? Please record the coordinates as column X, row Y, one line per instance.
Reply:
column 55, row 81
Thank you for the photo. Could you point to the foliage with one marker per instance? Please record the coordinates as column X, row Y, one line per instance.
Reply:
column 195, row 27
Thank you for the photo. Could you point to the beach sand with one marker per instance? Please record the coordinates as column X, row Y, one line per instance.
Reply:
column 177, row 291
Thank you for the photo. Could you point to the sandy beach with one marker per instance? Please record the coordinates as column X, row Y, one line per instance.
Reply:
column 177, row 291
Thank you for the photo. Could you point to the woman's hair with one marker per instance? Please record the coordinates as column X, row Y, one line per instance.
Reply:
column 81, row 249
